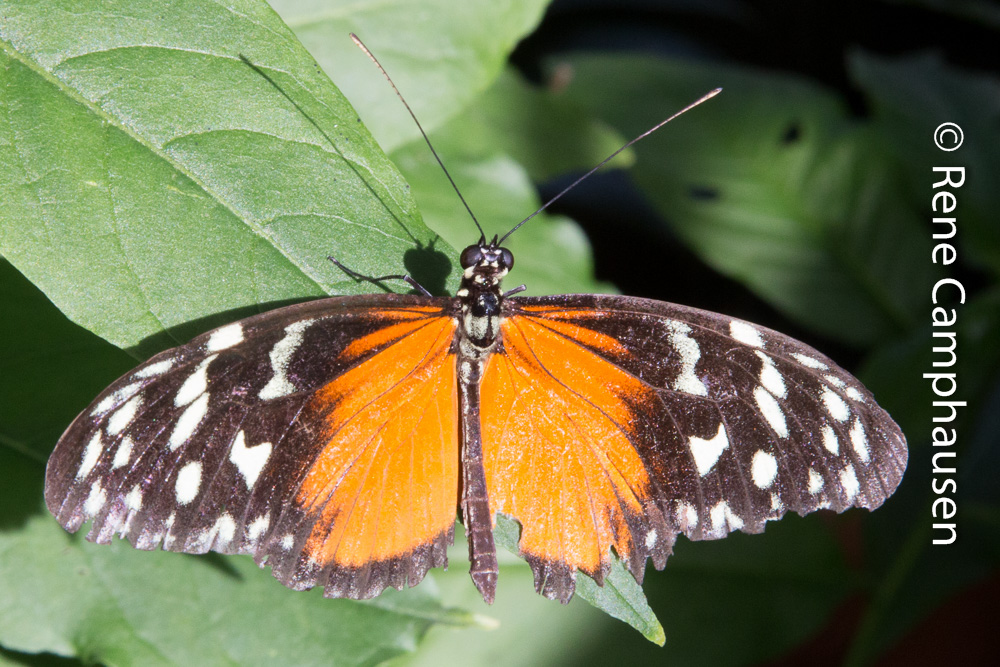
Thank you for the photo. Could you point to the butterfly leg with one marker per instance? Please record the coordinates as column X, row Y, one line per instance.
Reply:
column 475, row 503
column 376, row 280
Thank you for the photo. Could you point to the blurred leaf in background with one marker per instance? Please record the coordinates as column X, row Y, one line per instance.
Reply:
column 154, row 185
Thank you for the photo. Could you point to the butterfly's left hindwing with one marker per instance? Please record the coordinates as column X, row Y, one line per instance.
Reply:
column 640, row 420
column 228, row 444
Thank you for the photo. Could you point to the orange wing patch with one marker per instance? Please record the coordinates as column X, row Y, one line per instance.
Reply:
column 557, row 443
column 386, row 482
column 408, row 320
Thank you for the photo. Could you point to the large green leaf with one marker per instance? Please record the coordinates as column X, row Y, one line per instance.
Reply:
column 771, row 184
column 158, row 171
column 441, row 54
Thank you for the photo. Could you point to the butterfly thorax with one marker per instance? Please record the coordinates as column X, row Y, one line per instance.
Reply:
column 485, row 266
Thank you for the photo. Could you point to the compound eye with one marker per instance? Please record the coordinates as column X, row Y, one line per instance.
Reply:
column 471, row 256
column 506, row 258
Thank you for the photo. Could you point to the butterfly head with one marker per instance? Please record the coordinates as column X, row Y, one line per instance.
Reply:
column 485, row 264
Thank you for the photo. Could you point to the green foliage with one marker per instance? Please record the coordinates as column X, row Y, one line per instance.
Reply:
column 142, row 155
column 455, row 50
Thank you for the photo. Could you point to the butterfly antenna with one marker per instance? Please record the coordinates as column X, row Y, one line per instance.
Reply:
column 703, row 98
column 371, row 56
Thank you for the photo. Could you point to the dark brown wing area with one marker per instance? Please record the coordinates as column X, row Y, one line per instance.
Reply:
column 289, row 436
column 617, row 421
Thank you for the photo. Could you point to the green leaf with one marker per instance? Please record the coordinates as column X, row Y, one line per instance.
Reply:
column 789, row 197
column 542, row 130
column 112, row 604
column 151, row 177
column 620, row 597
column 441, row 54
column 914, row 95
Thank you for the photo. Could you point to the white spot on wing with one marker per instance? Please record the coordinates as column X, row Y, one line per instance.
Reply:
column 860, row 440
column 123, row 454
column 95, row 500
column 835, row 405
column 188, row 482
column 771, row 410
column 249, row 460
column 830, row 440
column 168, row 538
column 745, row 333
column 224, row 530
column 258, row 527
column 159, row 368
column 687, row 516
column 650, row 539
column 849, row 481
column 281, row 354
column 723, row 519
column 113, row 399
column 776, row 504
column 689, row 352
column 763, row 469
column 225, row 337
column 717, row 517
column 809, row 362
column 735, row 523
column 287, row 542
column 90, row 456
column 855, row 395
column 834, row 380
column 195, row 385
column 706, row 453
column 771, row 377
column 188, row 422
column 133, row 500
column 815, row 482
column 124, row 415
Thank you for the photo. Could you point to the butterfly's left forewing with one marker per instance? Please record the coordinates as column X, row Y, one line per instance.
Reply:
column 321, row 438
column 638, row 420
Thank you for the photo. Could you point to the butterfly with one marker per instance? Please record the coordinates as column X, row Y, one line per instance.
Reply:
column 335, row 440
